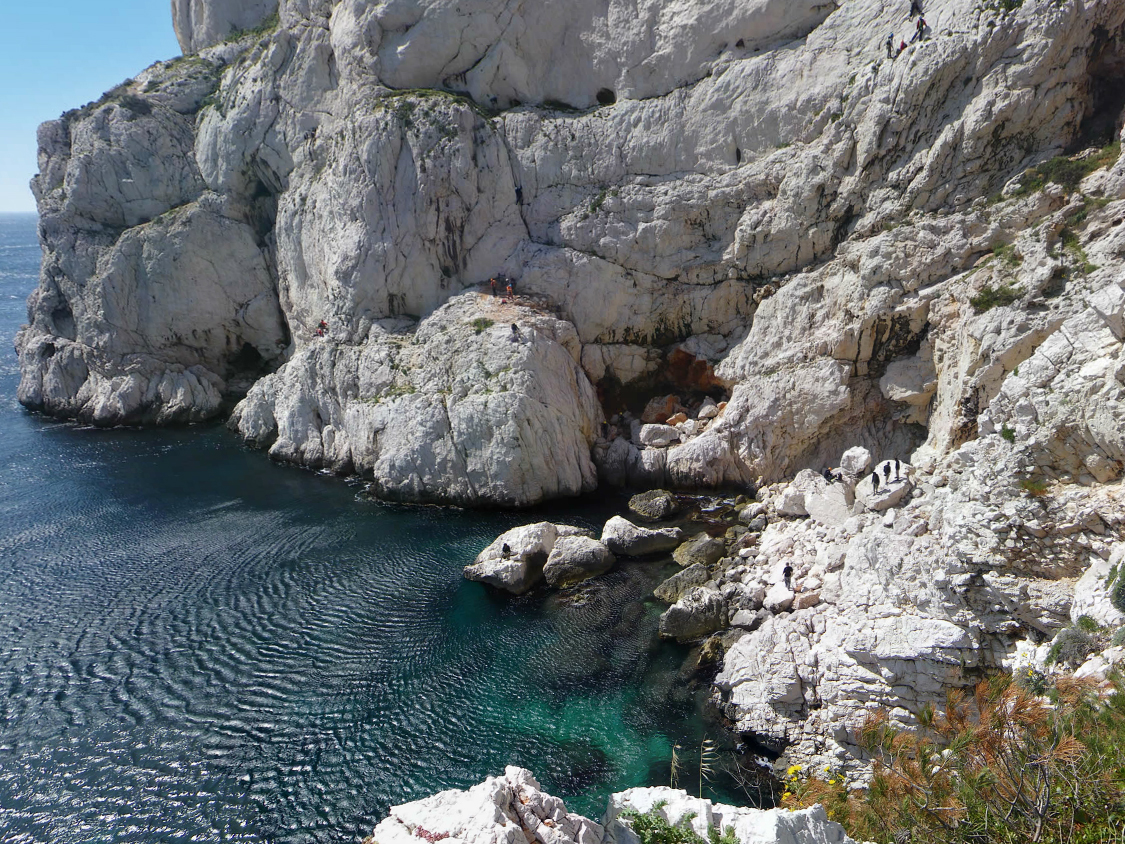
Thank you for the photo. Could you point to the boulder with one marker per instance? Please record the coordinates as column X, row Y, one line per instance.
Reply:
column 707, row 410
column 518, row 570
column 654, row 505
column 576, row 558
column 659, row 409
column 659, row 436
column 833, row 506
column 675, row 586
column 855, row 461
column 889, row 493
column 700, row 549
column 779, row 598
column 626, row 539
column 699, row 612
column 793, row 497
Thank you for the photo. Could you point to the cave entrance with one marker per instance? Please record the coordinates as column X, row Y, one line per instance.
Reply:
column 1105, row 106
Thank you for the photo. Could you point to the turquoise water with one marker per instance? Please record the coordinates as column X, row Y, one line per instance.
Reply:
column 199, row 645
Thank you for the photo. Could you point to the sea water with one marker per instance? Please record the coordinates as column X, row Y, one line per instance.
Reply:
column 197, row 644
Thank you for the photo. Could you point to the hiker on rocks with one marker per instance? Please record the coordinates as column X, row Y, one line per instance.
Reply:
column 510, row 293
column 515, row 333
column 891, row 46
column 321, row 328
column 887, row 471
column 787, row 575
column 919, row 30
column 915, row 8
column 492, row 283
column 828, row 475
column 901, row 46
column 874, row 481
column 898, row 469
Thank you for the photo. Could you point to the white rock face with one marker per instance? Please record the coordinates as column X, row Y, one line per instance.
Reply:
column 454, row 409
column 1091, row 595
column 202, row 23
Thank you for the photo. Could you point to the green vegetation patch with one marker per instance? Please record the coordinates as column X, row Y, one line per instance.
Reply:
column 652, row 827
column 1066, row 171
column 480, row 324
column 995, row 297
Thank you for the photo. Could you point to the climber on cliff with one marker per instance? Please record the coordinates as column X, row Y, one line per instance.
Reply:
column 901, row 46
column 891, row 46
column 921, row 28
column 321, row 328
column 515, row 333
column 915, row 8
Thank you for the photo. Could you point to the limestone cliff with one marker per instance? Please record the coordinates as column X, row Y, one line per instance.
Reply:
column 750, row 201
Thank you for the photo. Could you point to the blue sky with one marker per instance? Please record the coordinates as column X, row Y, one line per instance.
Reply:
column 59, row 54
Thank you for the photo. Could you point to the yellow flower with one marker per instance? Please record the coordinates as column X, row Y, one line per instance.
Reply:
column 832, row 782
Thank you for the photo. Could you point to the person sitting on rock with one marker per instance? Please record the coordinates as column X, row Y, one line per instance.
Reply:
column 505, row 551
column 515, row 333
column 901, row 46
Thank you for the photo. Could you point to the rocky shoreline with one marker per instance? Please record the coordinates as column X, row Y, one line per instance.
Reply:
column 512, row 808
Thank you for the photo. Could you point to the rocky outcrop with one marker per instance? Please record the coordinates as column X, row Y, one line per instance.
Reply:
column 458, row 408
column 513, row 809
column 202, row 23
column 524, row 556
column 654, row 505
column 626, row 539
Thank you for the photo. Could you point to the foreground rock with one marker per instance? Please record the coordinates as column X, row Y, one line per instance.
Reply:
column 576, row 558
column 626, row 539
column 512, row 809
column 524, row 556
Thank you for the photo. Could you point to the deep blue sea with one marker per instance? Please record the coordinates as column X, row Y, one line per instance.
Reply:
column 199, row 645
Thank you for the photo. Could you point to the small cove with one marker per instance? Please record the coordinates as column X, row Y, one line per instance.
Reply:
column 199, row 645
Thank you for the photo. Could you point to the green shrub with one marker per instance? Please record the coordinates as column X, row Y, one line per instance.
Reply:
column 1066, row 171
column 1072, row 647
column 1008, row 433
column 992, row 297
column 1117, row 594
column 480, row 324
column 1118, row 638
column 1086, row 623
column 1036, row 487
column 653, row 828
